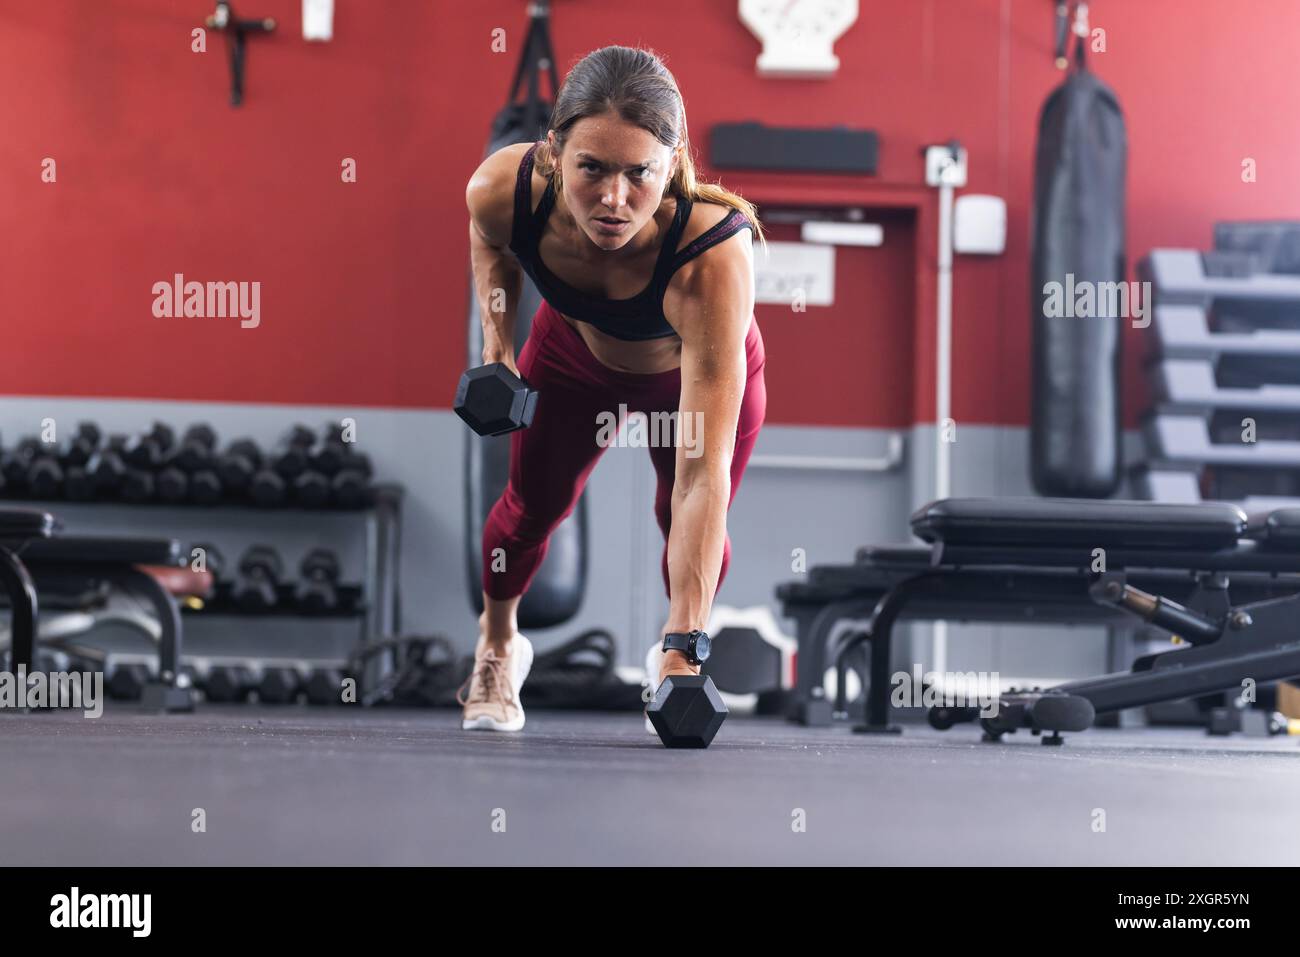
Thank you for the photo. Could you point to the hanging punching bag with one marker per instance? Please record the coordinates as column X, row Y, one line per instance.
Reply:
column 1077, row 257
column 556, row 591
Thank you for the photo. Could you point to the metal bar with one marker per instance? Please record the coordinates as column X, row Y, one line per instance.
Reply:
column 891, row 460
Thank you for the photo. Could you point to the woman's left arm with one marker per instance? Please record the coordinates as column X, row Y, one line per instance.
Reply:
column 711, row 307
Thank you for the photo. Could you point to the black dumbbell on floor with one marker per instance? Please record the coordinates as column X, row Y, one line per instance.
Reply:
column 279, row 685
column 127, row 682
column 492, row 400
column 686, row 710
column 260, row 572
column 227, row 683
column 324, row 686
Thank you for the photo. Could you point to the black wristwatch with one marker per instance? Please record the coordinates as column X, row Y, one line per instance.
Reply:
column 694, row 645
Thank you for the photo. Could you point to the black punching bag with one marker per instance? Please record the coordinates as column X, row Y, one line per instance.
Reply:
column 1077, row 253
column 556, row 592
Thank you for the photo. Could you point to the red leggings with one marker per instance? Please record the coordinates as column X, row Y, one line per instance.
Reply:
column 551, row 459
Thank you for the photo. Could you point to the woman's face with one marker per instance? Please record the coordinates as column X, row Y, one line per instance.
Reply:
column 615, row 174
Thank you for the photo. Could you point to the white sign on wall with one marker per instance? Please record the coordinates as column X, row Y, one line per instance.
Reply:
column 787, row 270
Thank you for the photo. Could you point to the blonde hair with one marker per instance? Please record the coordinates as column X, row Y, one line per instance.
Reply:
column 636, row 85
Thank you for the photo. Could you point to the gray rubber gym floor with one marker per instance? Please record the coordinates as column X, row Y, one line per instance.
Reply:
column 313, row 786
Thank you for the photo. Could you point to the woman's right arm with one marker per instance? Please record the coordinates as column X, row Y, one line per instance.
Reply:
column 497, row 276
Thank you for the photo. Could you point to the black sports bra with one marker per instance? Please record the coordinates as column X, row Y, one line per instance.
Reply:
column 635, row 319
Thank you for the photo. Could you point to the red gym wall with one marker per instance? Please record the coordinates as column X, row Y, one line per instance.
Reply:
column 364, row 285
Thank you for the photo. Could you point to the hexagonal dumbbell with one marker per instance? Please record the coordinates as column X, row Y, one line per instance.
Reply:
column 317, row 593
column 324, row 685
column 279, row 685
column 197, row 449
column 238, row 464
column 228, row 683
column 127, row 681
column 493, row 400
column 258, row 587
column 687, row 711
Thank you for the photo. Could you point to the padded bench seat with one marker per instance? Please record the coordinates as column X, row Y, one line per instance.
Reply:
column 92, row 550
column 1084, row 523
column 23, row 524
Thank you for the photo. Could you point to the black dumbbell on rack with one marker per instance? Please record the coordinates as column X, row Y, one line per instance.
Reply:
column 269, row 487
column 148, row 450
column 311, row 489
column 260, row 572
column 15, row 464
column 317, row 593
column 137, row 486
column 106, row 470
column 45, row 478
column 346, row 472
column 196, row 450
column 78, row 486
column 350, row 487
column 236, row 466
column 81, row 446
column 330, row 451
column 291, row 456
column 205, row 487
column 171, row 485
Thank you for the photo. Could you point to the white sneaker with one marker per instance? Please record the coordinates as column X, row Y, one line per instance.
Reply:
column 492, row 702
column 653, row 659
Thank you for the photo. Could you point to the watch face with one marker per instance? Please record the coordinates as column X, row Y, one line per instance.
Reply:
column 702, row 645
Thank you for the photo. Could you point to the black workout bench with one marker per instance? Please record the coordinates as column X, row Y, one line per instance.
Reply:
column 79, row 573
column 1228, row 586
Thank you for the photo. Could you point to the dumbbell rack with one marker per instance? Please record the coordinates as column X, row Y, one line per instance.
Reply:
column 378, row 602
column 1224, row 334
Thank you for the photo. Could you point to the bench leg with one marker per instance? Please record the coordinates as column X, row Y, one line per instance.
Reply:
column 811, row 707
column 165, row 694
column 881, row 636
column 22, row 599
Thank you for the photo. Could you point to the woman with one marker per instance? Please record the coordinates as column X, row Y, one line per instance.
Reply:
column 647, row 281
